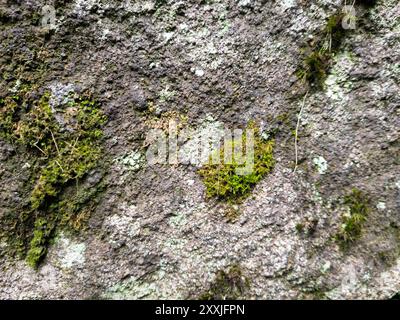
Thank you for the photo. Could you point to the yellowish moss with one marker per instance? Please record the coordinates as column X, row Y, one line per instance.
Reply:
column 223, row 181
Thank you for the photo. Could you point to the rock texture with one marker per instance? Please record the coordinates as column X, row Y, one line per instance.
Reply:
column 153, row 234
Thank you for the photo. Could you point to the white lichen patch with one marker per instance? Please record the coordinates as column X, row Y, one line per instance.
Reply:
column 132, row 161
column 139, row 6
column 69, row 252
column 60, row 94
column 151, row 288
column 16, row 86
column 199, row 72
column 178, row 220
column 287, row 4
column 326, row 267
column 83, row 7
column 166, row 94
column 123, row 225
column 132, row 289
column 175, row 244
column 321, row 164
column 381, row 205
column 337, row 83
column 244, row 3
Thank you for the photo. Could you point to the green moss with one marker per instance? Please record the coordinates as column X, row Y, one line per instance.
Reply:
column 315, row 68
column 39, row 242
column 227, row 285
column 319, row 54
column 70, row 154
column 352, row 224
column 8, row 109
column 300, row 228
column 222, row 180
column 74, row 212
column 334, row 32
column 65, row 150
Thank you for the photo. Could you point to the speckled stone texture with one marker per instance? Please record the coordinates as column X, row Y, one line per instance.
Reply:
column 153, row 234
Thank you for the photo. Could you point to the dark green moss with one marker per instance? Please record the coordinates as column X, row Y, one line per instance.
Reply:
column 228, row 285
column 352, row 224
column 232, row 213
column 307, row 228
column 319, row 54
column 315, row 68
column 64, row 151
column 300, row 228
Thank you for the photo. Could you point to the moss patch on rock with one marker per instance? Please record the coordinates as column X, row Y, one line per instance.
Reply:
column 223, row 181
column 319, row 53
column 66, row 145
column 352, row 223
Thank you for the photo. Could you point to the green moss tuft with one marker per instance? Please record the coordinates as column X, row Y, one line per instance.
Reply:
column 229, row 285
column 351, row 228
column 319, row 54
column 300, row 228
column 222, row 180
column 315, row 68
column 39, row 242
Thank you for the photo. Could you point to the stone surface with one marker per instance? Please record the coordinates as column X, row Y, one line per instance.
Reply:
column 153, row 233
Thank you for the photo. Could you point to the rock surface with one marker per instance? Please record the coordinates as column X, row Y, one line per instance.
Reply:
column 153, row 233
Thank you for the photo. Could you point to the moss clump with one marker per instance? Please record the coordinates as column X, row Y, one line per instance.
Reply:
column 351, row 228
column 315, row 67
column 38, row 245
column 66, row 144
column 8, row 108
column 223, row 181
column 70, row 152
column 229, row 285
column 300, row 227
column 319, row 54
